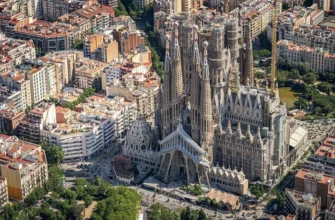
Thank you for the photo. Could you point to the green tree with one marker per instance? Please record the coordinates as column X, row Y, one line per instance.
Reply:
column 318, row 110
column 328, row 77
column 324, row 87
column 328, row 108
column 301, row 103
column 186, row 214
column 78, row 44
column 120, row 9
column 260, row 75
column 294, row 74
column 310, row 78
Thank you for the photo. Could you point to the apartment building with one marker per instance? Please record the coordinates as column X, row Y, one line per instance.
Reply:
column 232, row 4
column 256, row 15
column 92, row 126
column 52, row 9
column 24, row 166
column 64, row 62
column 302, row 206
column 319, row 185
column 3, row 192
column 88, row 73
column 123, row 22
column 293, row 18
column 40, row 117
column 11, row 97
column 142, row 3
column 142, row 89
column 111, row 3
column 61, row 34
column 15, row 81
column 163, row 6
column 38, row 87
column 5, row 64
column 17, row 50
column 9, row 120
column 318, row 59
column 128, row 40
column 323, row 159
column 101, row 47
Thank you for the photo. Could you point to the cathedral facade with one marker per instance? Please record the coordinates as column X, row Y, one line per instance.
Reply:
column 210, row 112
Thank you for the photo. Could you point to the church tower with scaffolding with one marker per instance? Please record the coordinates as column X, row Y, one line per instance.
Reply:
column 212, row 113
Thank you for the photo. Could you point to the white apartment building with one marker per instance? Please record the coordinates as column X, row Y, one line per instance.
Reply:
column 51, row 79
column 41, row 117
column 94, row 125
column 38, row 86
column 318, row 59
column 15, row 80
column 17, row 50
column 256, row 14
column 113, row 71
column 292, row 19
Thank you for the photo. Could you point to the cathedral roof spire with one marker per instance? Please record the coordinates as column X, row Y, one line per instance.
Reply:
column 205, row 71
column 238, row 131
column 176, row 49
column 229, row 128
column 167, row 67
column 249, row 136
column 196, row 56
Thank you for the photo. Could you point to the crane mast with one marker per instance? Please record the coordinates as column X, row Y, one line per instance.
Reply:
column 226, row 6
column 274, row 48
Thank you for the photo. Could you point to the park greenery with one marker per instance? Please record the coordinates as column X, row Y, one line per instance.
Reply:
column 159, row 212
column 54, row 201
column 192, row 189
column 316, row 89
column 129, row 7
column 263, row 53
column 257, row 190
column 86, row 94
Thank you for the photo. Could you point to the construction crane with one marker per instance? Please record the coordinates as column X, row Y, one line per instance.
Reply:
column 226, row 6
column 274, row 48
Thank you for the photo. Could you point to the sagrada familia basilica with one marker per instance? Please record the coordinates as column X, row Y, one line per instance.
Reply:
column 211, row 114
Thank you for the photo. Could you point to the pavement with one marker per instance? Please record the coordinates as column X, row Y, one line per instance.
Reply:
column 93, row 167
column 150, row 197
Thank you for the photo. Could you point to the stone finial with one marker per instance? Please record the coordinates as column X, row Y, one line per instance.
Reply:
column 239, row 132
column 205, row 69
column 266, row 85
column 259, row 132
column 229, row 130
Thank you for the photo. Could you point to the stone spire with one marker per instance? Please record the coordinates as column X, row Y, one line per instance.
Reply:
column 259, row 136
column 248, row 134
column 229, row 130
column 167, row 61
column 195, row 89
column 248, row 58
column 166, row 120
column 176, row 80
column 239, row 131
column 206, row 112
